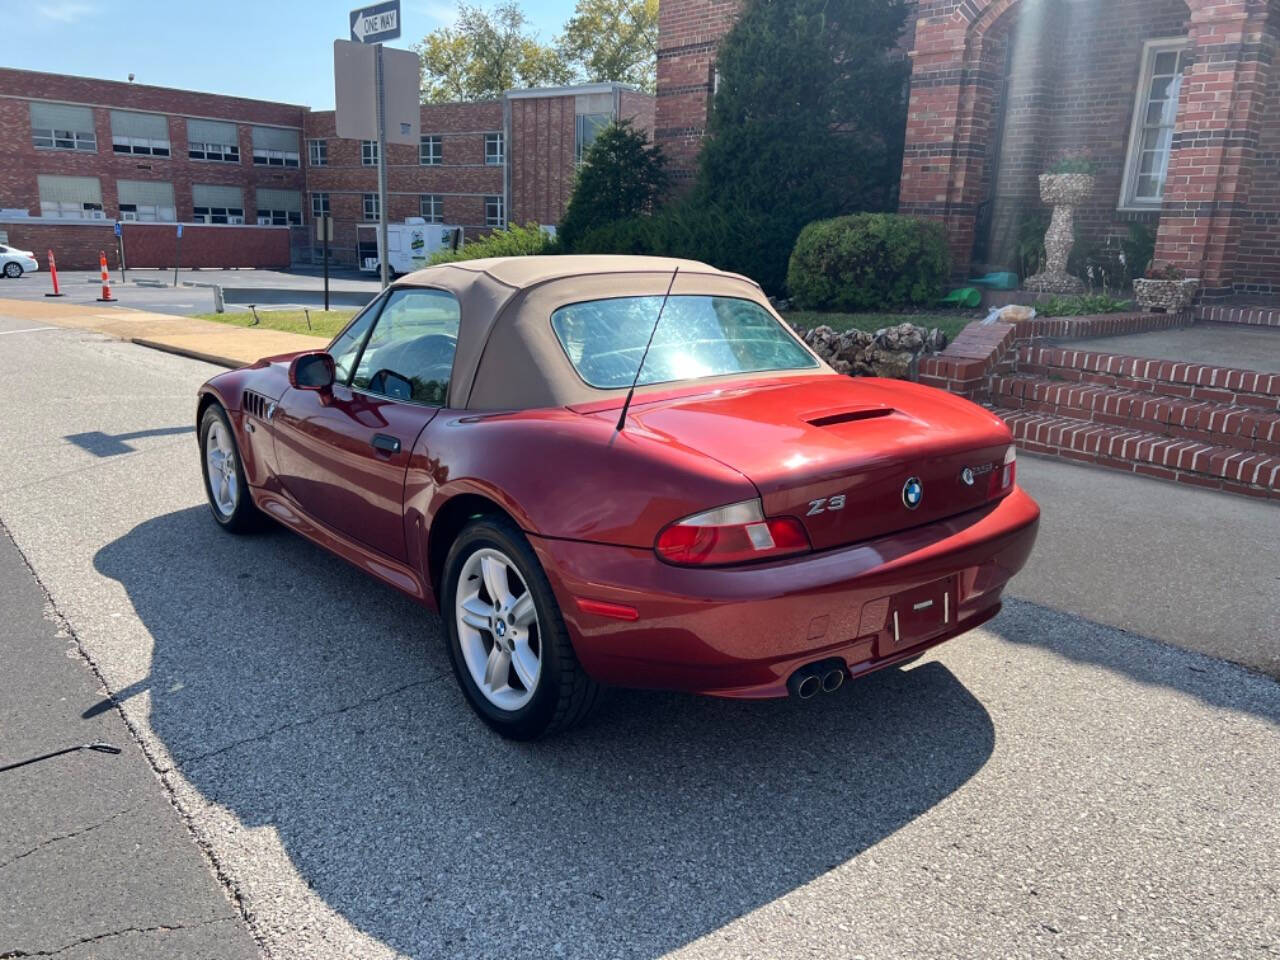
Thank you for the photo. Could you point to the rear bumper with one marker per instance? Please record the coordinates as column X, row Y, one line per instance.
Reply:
column 740, row 632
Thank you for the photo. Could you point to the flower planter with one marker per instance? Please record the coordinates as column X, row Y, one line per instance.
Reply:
column 1167, row 296
column 1064, row 192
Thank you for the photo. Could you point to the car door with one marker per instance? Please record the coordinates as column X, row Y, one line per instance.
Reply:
column 342, row 455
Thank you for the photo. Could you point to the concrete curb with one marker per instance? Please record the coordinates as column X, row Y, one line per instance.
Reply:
column 188, row 352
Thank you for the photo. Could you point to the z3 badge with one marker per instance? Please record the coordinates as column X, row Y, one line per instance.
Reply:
column 826, row 504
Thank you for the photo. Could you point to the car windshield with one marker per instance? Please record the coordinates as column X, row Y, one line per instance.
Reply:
column 699, row 336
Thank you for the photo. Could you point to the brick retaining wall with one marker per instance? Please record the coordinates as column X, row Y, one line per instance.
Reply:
column 76, row 244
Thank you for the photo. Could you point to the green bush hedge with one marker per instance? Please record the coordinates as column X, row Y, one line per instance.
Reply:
column 869, row 261
column 514, row 241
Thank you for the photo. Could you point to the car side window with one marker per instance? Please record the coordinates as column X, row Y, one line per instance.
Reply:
column 409, row 354
column 345, row 349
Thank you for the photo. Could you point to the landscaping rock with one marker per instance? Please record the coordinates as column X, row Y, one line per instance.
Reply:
column 891, row 352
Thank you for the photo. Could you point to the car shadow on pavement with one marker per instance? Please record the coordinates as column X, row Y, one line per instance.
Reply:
column 1218, row 683
column 299, row 695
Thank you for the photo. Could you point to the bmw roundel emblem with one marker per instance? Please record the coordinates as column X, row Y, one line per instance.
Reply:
column 912, row 493
column 967, row 476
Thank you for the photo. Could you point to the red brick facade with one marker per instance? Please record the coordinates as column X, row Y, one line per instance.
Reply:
column 76, row 244
column 532, row 178
column 999, row 88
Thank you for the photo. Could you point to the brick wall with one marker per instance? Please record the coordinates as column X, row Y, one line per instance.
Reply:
column 462, row 178
column 542, row 168
column 76, row 244
column 1069, row 79
column 688, row 31
column 21, row 162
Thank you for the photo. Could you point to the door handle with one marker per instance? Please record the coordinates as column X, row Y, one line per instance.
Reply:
column 385, row 444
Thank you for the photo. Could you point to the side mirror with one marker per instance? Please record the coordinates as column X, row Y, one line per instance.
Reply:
column 312, row 371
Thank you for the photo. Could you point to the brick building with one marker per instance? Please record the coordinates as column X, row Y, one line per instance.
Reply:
column 1177, row 100
column 78, row 154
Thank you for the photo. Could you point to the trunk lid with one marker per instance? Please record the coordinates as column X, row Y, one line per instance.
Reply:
column 838, row 452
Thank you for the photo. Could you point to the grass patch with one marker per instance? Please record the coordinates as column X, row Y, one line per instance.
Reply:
column 949, row 322
column 323, row 324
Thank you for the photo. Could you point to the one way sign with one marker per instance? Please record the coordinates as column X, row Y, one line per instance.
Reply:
column 376, row 23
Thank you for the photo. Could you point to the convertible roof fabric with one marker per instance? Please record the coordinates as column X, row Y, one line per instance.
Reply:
column 508, row 356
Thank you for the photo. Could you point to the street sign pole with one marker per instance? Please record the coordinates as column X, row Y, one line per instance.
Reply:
column 177, row 255
column 120, row 245
column 382, row 170
column 328, row 229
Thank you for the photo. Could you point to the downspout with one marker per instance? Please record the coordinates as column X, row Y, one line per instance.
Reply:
column 507, row 149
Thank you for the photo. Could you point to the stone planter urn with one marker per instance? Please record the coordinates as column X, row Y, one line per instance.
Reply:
column 1165, row 296
column 1064, row 192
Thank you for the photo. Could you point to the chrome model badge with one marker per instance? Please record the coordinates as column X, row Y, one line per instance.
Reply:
column 967, row 476
column 912, row 493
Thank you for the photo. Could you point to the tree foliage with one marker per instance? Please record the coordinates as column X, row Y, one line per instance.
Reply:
column 622, row 176
column 486, row 52
column 613, row 40
column 808, row 122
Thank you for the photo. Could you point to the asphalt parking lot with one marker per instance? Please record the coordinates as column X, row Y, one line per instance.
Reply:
column 1076, row 779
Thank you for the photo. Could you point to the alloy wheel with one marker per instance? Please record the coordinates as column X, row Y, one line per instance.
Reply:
column 498, row 629
column 220, row 464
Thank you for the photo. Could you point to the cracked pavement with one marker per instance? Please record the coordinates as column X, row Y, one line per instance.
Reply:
column 1050, row 785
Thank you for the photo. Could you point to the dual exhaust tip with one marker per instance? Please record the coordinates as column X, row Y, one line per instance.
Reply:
column 826, row 676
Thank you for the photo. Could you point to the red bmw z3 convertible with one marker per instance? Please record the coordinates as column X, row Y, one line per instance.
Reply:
column 623, row 471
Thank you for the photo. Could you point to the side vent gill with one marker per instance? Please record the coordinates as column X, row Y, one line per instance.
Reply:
column 849, row 416
column 255, row 404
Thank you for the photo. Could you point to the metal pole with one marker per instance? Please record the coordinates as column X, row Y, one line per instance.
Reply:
column 123, row 274
column 327, row 226
column 177, row 256
column 382, row 171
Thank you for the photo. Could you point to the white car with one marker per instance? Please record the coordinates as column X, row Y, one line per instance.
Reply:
column 14, row 262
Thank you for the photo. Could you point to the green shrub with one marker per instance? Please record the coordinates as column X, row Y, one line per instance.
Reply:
column 514, row 241
column 869, row 261
column 621, row 177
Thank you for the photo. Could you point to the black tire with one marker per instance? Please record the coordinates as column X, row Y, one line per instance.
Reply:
column 565, row 695
column 245, row 517
column 13, row 270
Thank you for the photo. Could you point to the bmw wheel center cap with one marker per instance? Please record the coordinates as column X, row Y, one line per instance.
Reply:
column 912, row 493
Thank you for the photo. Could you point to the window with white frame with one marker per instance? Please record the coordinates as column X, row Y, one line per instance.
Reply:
column 493, row 149
column 1155, row 115
column 213, row 140
column 60, row 126
column 70, row 198
column 371, row 206
column 494, row 215
column 431, row 207
column 275, row 147
column 318, row 153
column 139, row 133
column 319, row 205
column 369, row 153
column 431, row 150
column 149, row 201
column 279, row 207
column 216, row 204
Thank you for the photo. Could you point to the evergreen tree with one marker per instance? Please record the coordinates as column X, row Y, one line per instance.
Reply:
column 808, row 122
column 621, row 176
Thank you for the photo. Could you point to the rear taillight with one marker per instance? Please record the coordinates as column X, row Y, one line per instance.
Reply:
column 1003, row 476
column 738, row 533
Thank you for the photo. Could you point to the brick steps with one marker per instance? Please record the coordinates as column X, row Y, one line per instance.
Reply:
column 1216, row 424
column 1136, row 451
column 1190, row 381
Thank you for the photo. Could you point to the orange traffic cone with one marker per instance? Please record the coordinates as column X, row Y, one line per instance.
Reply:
column 53, row 272
column 106, row 280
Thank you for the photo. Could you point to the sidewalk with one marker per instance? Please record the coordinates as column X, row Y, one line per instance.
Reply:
column 219, row 343
column 95, row 862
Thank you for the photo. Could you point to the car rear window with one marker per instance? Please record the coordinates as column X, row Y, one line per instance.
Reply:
column 699, row 336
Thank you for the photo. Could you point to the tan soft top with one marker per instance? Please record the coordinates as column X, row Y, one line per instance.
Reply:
column 508, row 356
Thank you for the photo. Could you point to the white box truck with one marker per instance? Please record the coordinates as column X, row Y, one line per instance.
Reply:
column 410, row 244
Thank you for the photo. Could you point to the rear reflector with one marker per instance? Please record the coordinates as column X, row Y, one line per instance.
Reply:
column 738, row 533
column 603, row 608
column 1002, row 477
